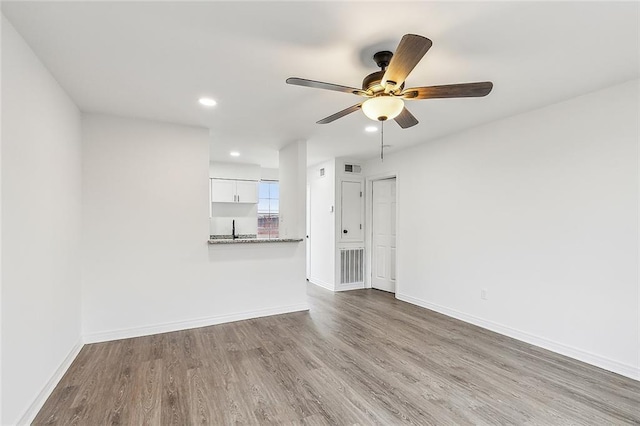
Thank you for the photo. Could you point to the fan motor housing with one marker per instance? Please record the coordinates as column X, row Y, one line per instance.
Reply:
column 372, row 82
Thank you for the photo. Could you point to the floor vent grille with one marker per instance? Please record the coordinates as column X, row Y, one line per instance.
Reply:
column 351, row 266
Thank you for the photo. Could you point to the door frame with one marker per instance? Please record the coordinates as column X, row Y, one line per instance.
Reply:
column 307, row 240
column 368, row 237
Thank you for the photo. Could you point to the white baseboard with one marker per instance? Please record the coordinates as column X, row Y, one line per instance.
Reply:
column 105, row 336
column 579, row 354
column 37, row 404
column 339, row 287
column 347, row 287
column 322, row 284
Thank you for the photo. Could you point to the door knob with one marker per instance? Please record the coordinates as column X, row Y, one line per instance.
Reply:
column 344, row 231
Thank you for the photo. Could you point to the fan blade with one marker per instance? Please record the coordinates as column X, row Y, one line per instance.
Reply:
column 340, row 114
column 406, row 119
column 327, row 86
column 409, row 52
column 463, row 90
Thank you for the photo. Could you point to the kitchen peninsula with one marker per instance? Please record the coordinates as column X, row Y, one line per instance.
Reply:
column 253, row 240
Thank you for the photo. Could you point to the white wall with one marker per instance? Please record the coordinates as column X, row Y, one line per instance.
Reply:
column 322, row 230
column 267, row 173
column 147, row 265
column 293, row 190
column 223, row 215
column 540, row 209
column 245, row 171
column 41, row 203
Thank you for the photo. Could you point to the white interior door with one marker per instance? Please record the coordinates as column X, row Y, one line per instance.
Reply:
column 383, row 267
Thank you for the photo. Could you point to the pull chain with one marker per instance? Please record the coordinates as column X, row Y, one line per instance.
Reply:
column 382, row 141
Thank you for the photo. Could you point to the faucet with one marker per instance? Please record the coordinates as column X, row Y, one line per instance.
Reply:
column 233, row 229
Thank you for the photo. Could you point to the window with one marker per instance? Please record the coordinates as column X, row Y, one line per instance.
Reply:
column 268, row 209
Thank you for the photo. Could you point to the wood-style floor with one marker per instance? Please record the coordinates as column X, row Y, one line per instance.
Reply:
column 359, row 357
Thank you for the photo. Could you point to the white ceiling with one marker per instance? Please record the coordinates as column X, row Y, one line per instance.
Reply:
column 155, row 59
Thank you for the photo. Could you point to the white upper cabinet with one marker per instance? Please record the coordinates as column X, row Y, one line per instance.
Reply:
column 246, row 191
column 223, row 191
column 234, row 191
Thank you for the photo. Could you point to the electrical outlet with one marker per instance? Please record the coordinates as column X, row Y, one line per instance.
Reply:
column 484, row 294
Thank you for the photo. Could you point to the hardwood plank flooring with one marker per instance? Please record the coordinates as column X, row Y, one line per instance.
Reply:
column 358, row 357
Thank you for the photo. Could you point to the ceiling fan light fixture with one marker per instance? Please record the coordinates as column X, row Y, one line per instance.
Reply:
column 383, row 108
column 385, row 90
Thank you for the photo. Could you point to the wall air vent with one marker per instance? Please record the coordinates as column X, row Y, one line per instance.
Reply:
column 352, row 168
column 322, row 172
column 352, row 266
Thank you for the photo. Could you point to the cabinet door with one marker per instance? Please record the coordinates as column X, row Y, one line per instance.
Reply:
column 223, row 191
column 351, row 215
column 247, row 191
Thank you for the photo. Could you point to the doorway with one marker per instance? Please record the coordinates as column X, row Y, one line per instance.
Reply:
column 383, row 241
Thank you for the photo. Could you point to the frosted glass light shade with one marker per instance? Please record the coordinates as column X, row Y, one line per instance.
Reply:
column 382, row 108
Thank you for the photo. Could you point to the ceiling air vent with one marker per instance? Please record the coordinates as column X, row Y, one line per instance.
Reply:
column 352, row 168
column 322, row 172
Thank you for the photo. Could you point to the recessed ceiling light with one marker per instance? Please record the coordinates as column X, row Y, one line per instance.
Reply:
column 371, row 129
column 207, row 102
column 234, row 154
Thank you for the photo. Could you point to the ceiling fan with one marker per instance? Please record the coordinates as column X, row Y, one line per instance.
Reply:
column 385, row 90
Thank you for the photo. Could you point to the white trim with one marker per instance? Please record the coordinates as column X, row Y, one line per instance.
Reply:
column 368, row 239
column 46, row 391
column 321, row 283
column 560, row 348
column 341, row 287
column 127, row 333
column 307, row 241
column 347, row 287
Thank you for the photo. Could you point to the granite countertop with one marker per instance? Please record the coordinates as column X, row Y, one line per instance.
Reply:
column 230, row 237
column 253, row 240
